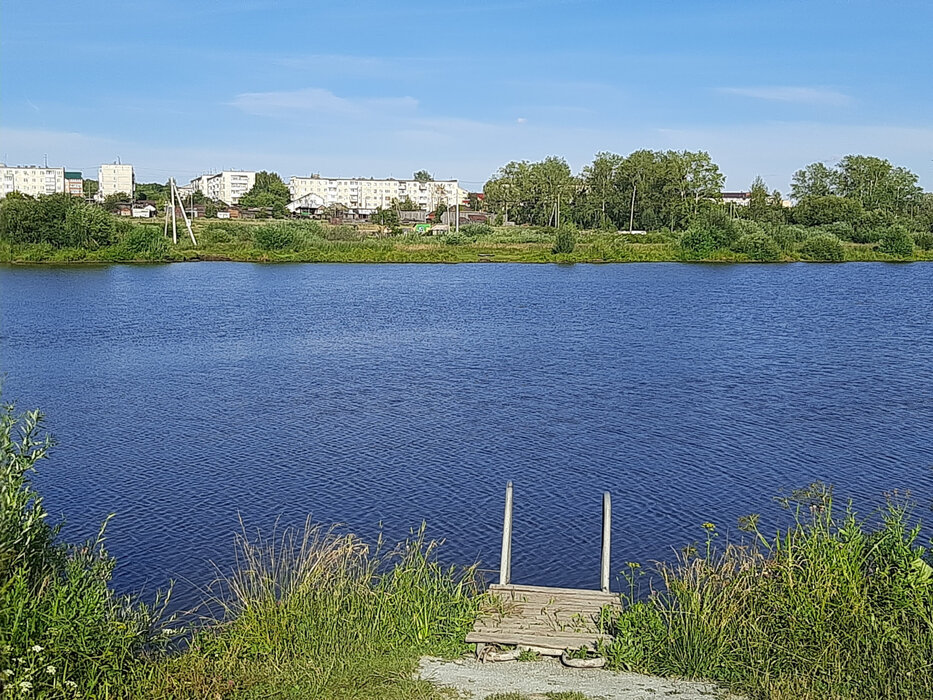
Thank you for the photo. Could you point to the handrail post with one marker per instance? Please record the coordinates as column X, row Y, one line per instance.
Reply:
column 505, row 562
column 607, row 535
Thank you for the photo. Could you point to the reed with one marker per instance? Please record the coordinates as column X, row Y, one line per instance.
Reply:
column 832, row 607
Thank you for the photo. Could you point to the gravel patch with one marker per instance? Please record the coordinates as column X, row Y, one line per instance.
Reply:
column 475, row 679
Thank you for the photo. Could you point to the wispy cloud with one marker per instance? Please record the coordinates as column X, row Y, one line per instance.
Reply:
column 319, row 101
column 800, row 95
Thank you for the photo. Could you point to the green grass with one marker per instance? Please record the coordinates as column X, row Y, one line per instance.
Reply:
column 832, row 607
column 311, row 241
column 316, row 613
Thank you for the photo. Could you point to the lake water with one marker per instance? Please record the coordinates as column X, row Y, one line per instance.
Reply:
column 186, row 396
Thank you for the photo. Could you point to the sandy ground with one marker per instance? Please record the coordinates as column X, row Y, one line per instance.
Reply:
column 475, row 679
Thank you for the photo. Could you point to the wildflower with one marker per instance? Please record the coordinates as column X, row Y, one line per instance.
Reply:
column 25, row 686
column 8, row 672
column 50, row 669
column 709, row 527
column 36, row 648
column 71, row 685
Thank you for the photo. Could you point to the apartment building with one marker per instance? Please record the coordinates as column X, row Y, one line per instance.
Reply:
column 31, row 180
column 227, row 186
column 361, row 193
column 113, row 178
column 74, row 183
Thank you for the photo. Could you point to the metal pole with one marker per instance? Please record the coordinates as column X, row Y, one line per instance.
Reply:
column 607, row 534
column 505, row 563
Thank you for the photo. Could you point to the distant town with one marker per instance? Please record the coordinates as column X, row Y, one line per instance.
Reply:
column 355, row 198
column 219, row 194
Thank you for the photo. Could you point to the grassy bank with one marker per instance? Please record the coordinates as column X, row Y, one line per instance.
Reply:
column 306, row 241
column 831, row 607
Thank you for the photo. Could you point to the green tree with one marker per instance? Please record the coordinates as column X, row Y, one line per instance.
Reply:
column 89, row 226
column 423, row 176
column 90, row 187
column 387, row 219
column 405, row 204
column 152, row 192
column 268, row 191
column 599, row 200
column 816, row 180
column 112, row 200
column 815, row 211
column 20, row 221
column 896, row 241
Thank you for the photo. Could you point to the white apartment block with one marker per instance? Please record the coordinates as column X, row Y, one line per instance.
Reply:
column 31, row 180
column 227, row 186
column 360, row 193
column 113, row 178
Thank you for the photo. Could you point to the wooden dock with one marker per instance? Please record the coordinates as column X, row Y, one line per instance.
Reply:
column 544, row 619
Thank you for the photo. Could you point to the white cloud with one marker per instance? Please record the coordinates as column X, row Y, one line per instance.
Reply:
column 800, row 95
column 521, row 120
column 318, row 101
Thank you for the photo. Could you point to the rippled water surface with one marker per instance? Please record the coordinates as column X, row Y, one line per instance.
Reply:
column 185, row 396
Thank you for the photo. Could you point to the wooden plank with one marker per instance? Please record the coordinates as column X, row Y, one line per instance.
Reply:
column 565, row 641
column 522, row 588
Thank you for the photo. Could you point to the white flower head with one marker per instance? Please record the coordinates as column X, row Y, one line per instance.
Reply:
column 71, row 684
column 36, row 648
column 25, row 686
column 8, row 672
column 50, row 669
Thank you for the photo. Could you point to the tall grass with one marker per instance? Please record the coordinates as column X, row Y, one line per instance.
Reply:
column 62, row 630
column 314, row 612
column 831, row 607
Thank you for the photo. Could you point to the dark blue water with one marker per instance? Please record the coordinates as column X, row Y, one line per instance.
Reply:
column 185, row 396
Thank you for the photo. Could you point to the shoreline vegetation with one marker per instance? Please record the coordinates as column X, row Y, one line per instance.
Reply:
column 649, row 206
column 713, row 239
column 831, row 606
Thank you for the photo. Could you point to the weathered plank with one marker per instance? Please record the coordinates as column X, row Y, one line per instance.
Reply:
column 553, row 618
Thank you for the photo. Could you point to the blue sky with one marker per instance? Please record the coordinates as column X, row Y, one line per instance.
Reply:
column 380, row 88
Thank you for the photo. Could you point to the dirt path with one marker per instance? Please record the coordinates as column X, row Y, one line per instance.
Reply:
column 479, row 680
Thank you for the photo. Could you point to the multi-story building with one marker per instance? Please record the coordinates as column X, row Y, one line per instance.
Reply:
column 31, row 180
column 360, row 193
column 74, row 183
column 113, row 178
column 227, row 186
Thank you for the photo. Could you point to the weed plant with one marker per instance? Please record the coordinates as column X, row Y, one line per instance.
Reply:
column 316, row 612
column 832, row 607
column 63, row 633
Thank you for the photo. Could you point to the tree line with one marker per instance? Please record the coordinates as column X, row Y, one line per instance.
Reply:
column 655, row 190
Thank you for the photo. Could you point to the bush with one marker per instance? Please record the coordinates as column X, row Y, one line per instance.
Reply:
column 818, row 211
column 277, row 236
column 63, row 633
column 823, row 247
column 895, row 240
column 840, row 229
column 742, row 227
column 455, row 238
column 829, row 608
column 476, row 230
column 711, row 231
column 565, row 240
column 871, row 226
column 89, row 226
column 758, row 246
column 787, row 236
column 145, row 242
column 924, row 240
